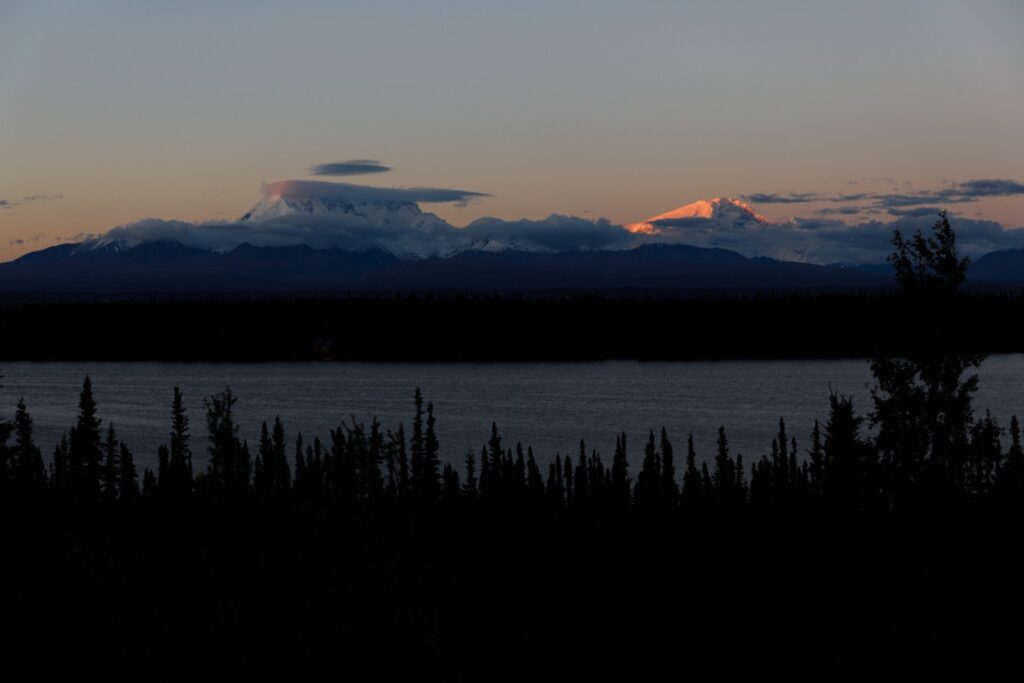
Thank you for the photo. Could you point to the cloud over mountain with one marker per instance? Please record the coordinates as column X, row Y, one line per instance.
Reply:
column 350, row 167
column 360, row 194
column 832, row 241
column 554, row 233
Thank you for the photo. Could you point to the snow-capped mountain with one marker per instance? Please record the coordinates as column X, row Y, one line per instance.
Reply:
column 491, row 245
column 722, row 223
column 720, row 213
column 401, row 228
column 377, row 214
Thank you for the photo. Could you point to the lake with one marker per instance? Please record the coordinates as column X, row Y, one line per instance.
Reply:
column 550, row 406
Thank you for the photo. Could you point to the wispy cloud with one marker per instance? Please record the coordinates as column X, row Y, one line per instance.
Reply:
column 915, row 212
column 964, row 192
column 844, row 210
column 9, row 204
column 347, row 192
column 781, row 198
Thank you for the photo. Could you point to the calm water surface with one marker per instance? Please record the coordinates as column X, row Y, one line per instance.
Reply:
column 550, row 406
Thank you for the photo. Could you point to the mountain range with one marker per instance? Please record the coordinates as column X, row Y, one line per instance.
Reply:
column 290, row 244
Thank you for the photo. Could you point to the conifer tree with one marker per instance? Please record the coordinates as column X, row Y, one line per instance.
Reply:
column 486, row 480
column 519, row 472
column 817, row 460
column 300, row 483
column 556, row 484
column 534, row 482
column 262, row 468
column 148, row 484
column 85, row 453
column 281, row 474
column 128, row 479
column 163, row 479
column 450, row 488
column 417, row 475
column 690, row 496
column 111, row 465
column 567, row 481
column 60, row 472
column 620, row 472
column 404, row 476
column 707, row 484
column 580, row 485
column 431, row 459
column 26, row 461
column 494, row 464
column 180, row 456
column 724, row 477
column 669, row 488
column 848, row 460
column 470, row 487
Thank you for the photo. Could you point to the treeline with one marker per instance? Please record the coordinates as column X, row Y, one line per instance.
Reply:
column 370, row 538
column 498, row 328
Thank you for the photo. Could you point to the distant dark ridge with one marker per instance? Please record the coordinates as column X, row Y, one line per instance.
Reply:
column 77, row 272
column 488, row 328
column 167, row 267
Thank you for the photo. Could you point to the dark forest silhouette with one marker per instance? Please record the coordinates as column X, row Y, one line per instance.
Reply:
column 846, row 555
column 507, row 327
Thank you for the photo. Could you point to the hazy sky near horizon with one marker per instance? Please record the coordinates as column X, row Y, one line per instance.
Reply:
column 114, row 111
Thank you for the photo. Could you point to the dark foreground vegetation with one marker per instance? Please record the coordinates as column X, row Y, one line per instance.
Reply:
column 848, row 556
column 497, row 328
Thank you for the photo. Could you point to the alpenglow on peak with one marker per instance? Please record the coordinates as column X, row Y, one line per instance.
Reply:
column 720, row 212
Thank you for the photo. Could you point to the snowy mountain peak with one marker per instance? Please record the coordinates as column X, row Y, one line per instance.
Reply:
column 400, row 228
column 379, row 214
column 720, row 212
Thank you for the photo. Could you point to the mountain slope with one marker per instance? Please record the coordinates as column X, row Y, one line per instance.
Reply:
column 170, row 267
column 1004, row 267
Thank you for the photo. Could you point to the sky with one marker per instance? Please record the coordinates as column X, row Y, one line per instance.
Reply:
column 113, row 112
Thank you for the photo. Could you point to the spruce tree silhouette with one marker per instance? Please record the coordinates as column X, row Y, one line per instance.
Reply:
column 669, row 488
column 848, row 461
column 724, row 476
column 180, row 432
column 690, row 497
column 111, row 466
column 85, row 452
column 27, row 470
column 620, row 472
column 431, row 457
column 128, row 478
